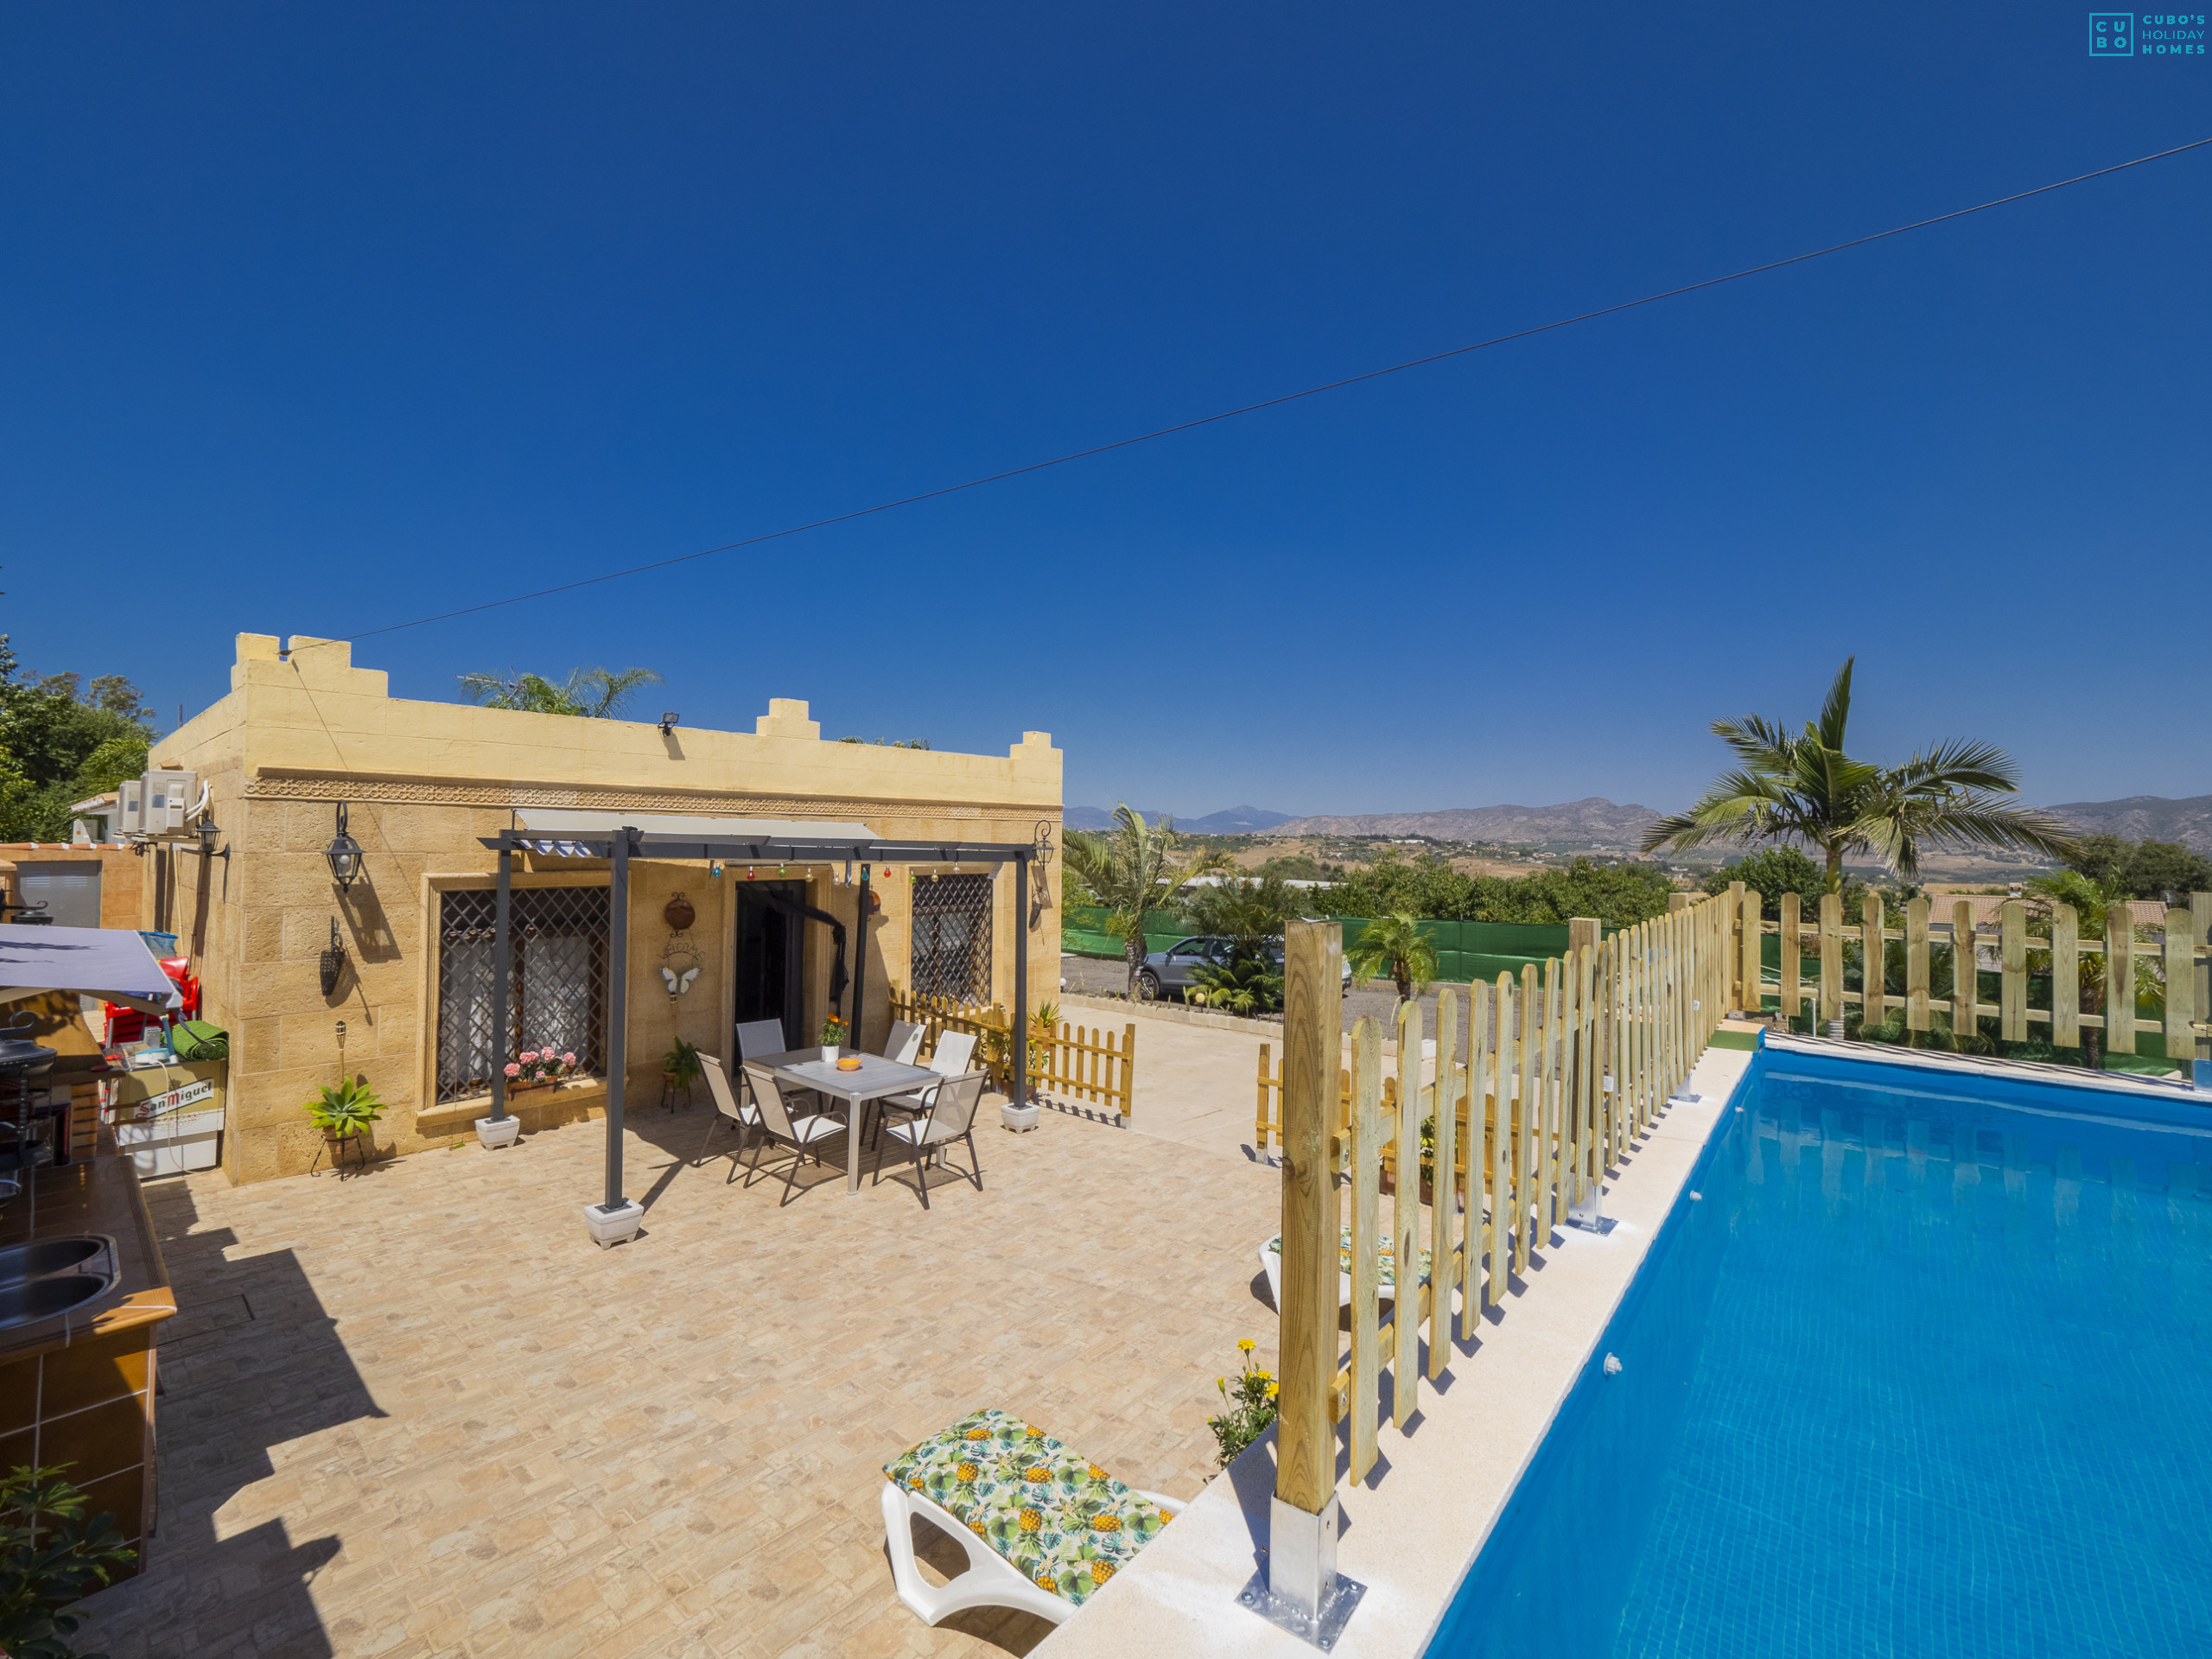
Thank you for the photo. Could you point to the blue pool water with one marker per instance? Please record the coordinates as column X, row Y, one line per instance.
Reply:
column 1927, row 1370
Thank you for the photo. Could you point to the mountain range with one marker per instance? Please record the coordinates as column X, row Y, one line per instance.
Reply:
column 1235, row 821
column 1598, row 823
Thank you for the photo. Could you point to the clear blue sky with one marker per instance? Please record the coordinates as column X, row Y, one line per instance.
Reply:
column 321, row 319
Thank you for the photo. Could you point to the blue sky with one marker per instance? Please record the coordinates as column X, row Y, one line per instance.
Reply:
column 322, row 319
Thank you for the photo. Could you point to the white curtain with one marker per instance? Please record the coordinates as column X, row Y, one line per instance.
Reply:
column 556, row 996
column 464, row 1016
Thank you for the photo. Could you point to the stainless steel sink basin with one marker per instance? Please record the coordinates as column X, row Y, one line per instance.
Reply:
column 41, row 1298
column 47, row 1255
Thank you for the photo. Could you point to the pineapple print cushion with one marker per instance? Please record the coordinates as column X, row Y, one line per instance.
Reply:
column 1062, row 1521
column 1386, row 1263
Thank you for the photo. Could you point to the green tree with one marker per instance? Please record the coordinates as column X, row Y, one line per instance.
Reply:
column 1395, row 946
column 1133, row 868
column 1808, row 790
column 590, row 693
column 58, row 746
column 2145, row 869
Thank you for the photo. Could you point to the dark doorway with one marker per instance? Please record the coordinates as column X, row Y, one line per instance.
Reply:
column 771, row 959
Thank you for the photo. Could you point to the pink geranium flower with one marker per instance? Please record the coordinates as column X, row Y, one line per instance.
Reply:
column 529, row 1056
column 513, row 1071
column 568, row 1059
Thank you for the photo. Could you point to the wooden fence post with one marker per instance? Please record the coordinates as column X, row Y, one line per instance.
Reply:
column 1831, row 959
column 2119, row 979
column 2182, row 1011
column 1792, row 958
column 1916, row 964
column 1873, row 967
column 1964, row 991
column 1302, row 1559
column 2012, row 960
column 2200, row 934
column 1445, row 1270
column 1364, row 1166
column 2065, row 977
column 1405, row 1220
column 1754, row 970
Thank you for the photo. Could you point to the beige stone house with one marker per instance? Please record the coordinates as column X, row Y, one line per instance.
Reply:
column 304, row 736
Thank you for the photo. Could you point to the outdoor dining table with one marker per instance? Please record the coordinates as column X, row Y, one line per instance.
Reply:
column 876, row 1077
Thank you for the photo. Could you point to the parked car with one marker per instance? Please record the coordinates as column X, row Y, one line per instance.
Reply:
column 1169, row 971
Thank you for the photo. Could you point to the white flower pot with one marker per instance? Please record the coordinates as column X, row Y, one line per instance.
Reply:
column 1019, row 1119
column 498, row 1132
column 612, row 1226
column 829, row 1053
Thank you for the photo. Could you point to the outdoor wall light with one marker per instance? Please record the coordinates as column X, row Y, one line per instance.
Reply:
column 344, row 853
column 668, row 724
column 210, row 833
column 715, row 869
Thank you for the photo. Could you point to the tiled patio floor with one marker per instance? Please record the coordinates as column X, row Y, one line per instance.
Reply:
column 416, row 1413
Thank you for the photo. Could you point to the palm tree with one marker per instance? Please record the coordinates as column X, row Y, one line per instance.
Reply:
column 1130, row 869
column 592, row 693
column 1807, row 789
column 1397, row 946
column 1247, row 913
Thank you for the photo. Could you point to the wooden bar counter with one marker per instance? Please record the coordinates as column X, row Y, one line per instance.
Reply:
column 77, row 1388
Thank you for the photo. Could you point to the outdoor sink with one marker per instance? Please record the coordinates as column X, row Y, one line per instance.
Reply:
column 34, row 1261
column 41, row 1298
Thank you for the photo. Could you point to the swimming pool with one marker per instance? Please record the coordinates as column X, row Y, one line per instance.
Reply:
column 1926, row 1368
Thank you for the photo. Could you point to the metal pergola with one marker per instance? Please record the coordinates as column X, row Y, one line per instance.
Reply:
column 623, row 838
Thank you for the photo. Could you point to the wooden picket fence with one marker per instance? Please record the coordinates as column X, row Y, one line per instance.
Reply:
column 1088, row 1064
column 2178, row 950
column 1570, row 1062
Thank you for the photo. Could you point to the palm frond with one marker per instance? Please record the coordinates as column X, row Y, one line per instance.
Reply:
column 1835, row 708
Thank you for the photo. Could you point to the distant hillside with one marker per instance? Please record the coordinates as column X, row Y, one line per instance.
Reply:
column 2146, row 818
column 1593, row 821
column 1234, row 820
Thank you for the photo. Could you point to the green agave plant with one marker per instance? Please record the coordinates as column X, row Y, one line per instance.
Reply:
column 346, row 1109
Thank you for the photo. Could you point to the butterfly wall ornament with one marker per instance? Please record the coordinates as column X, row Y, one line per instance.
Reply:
column 678, row 984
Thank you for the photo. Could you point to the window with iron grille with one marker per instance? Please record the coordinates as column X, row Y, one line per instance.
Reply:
column 952, row 938
column 557, row 982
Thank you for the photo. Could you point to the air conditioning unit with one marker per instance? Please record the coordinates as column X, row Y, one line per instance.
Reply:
column 168, row 796
column 129, row 808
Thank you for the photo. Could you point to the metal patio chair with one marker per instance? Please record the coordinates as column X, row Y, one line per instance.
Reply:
column 951, row 1117
column 804, row 1135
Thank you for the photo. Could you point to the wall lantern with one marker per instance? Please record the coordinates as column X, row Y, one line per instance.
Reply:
column 210, row 833
column 668, row 724
column 344, row 853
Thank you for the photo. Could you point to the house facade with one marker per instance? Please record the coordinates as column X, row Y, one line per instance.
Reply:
column 390, row 976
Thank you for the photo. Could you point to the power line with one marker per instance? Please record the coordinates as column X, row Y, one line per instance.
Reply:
column 1274, row 403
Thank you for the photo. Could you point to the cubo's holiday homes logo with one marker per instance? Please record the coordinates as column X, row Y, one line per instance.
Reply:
column 2146, row 34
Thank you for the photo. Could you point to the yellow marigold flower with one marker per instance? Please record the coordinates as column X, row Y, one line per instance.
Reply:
column 1245, row 1344
column 1272, row 1387
column 1221, row 1382
column 1263, row 1375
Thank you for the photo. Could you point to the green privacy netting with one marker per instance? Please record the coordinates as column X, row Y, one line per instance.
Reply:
column 1464, row 951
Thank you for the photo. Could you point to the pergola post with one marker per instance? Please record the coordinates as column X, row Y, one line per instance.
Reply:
column 1018, row 1086
column 618, row 979
column 501, row 973
column 860, row 957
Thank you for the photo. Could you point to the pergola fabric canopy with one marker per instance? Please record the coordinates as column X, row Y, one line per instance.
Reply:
column 575, row 833
column 112, row 964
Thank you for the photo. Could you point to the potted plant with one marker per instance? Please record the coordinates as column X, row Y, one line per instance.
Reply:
column 344, row 1111
column 833, row 1035
column 537, row 1068
column 680, row 1067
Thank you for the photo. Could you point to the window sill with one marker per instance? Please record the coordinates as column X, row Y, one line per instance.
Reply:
column 475, row 1106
